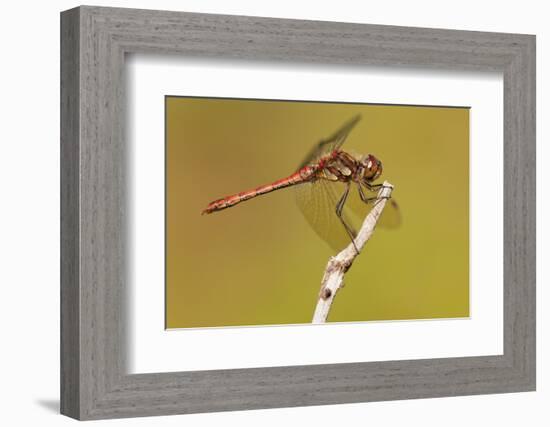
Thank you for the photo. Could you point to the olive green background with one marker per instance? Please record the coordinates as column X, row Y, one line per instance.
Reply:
column 260, row 263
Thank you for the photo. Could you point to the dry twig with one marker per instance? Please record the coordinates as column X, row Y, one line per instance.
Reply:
column 337, row 266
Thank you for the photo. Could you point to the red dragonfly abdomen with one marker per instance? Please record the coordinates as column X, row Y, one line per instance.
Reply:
column 307, row 173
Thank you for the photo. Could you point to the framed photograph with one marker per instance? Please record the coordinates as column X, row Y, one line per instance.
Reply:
column 223, row 178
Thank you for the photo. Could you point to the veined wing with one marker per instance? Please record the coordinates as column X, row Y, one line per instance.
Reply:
column 317, row 201
column 358, row 210
column 330, row 144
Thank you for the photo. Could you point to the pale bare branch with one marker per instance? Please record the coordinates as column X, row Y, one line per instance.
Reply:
column 333, row 279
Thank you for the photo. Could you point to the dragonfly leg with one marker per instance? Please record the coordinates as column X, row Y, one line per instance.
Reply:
column 364, row 198
column 371, row 187
column 339, row 208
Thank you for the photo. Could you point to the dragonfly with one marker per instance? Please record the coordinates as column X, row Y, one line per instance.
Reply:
column 323, row 183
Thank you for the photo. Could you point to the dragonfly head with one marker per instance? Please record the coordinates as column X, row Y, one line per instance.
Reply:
column 372, row 168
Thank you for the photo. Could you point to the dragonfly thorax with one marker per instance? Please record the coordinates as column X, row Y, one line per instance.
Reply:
column 344, row 167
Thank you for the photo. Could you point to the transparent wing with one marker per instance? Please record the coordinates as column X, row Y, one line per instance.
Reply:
column 330, row 144
column 317, row 201
column 391, row 215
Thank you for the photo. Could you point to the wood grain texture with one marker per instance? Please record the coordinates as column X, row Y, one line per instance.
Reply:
column 94, row 241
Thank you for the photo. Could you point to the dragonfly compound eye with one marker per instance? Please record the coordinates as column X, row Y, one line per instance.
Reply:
column 378, row 169
column 373, row 167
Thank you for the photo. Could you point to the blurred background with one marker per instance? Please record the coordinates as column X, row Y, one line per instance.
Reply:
column 260, row 263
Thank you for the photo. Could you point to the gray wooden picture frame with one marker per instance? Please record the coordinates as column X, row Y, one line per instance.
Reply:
column 94, row 381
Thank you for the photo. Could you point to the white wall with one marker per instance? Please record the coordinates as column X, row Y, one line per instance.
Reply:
column 29, row 226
